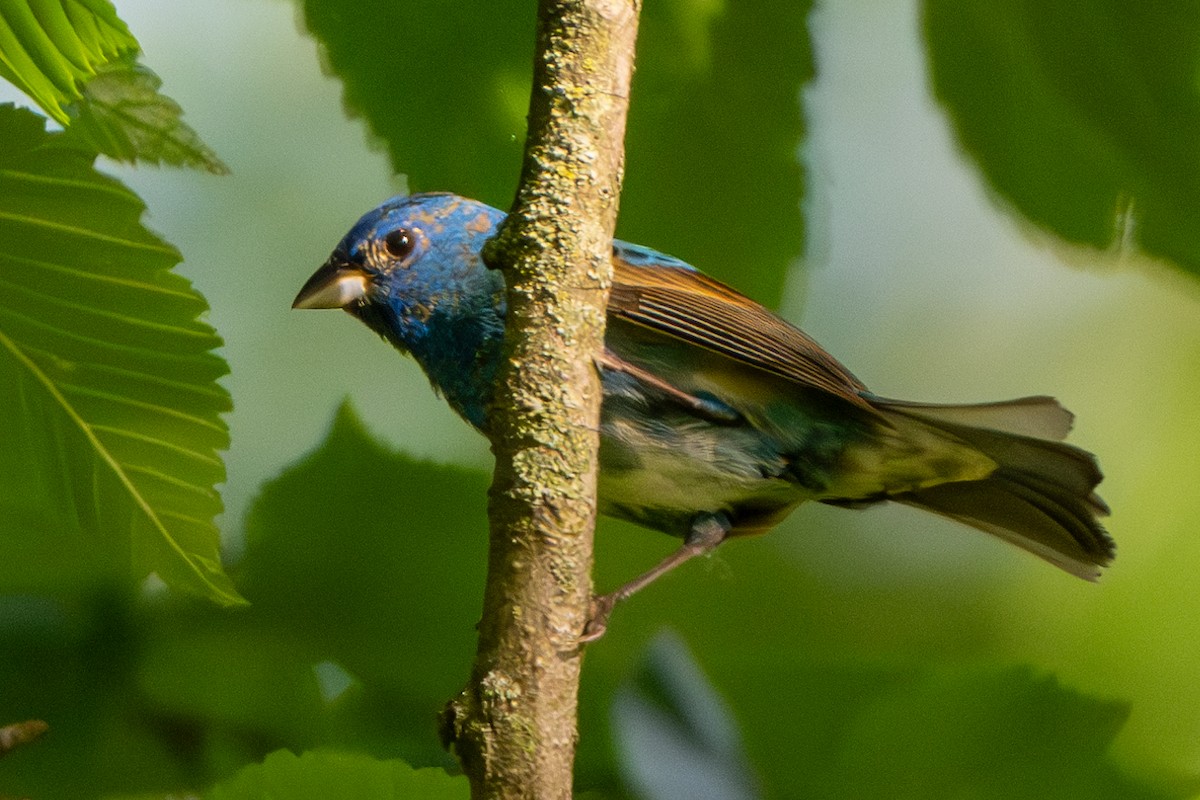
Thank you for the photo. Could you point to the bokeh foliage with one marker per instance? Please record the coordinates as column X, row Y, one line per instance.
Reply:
column 364, row 567
column 1083, row 115
column 713, row 130
column 320, row 775
column 334, row 651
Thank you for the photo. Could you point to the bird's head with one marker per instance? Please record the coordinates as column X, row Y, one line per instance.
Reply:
column 409, row 264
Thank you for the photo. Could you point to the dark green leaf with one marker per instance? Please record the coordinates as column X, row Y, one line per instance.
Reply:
column 456, row 88
column 321, row 775
column 112, row 421
column 122, row 115
column 365, row 569
column 1083, row 115
column 374, row 562
column 715, row 126
column 985, row 734
column 712, row 173
column 71, row 663
column 852, row 729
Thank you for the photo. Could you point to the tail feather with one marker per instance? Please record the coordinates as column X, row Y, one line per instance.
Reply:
column 1041, row 497
column 1040, row 417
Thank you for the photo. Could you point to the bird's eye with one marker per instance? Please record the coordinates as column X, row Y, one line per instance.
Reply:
column 399, row 243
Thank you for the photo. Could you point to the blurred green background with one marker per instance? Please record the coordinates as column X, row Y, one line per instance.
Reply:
column 875, row 654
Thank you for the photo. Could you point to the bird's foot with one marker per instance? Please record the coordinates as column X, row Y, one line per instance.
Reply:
column 601, row 610
column 708, row 531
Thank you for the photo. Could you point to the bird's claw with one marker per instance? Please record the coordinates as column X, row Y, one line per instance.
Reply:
column 597, row 623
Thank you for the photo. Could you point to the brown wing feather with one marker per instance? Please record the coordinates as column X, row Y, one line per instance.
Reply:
column 691, row 306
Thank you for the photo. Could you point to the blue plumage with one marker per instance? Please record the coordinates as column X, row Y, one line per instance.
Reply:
column 718, row 417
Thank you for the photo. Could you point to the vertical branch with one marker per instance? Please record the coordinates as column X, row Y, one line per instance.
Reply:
column 514, row 726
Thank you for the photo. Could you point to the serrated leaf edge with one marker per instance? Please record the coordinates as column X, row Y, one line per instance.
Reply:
column 117, row 470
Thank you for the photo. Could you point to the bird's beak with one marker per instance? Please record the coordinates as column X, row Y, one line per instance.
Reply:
column 334, row 285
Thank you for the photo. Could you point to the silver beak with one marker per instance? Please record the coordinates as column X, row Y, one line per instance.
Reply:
column 334, row 285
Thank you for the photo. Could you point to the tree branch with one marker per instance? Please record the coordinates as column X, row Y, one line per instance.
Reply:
column 514, row 726
column 19, row 733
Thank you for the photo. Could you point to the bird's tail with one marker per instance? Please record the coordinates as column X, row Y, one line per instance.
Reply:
column 1041, row 497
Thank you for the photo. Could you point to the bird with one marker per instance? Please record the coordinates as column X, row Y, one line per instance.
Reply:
column 718, row 417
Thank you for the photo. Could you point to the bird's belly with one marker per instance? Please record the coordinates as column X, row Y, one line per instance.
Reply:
column 663, row 475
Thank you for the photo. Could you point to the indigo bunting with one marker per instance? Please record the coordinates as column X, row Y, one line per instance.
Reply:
column 718, row 417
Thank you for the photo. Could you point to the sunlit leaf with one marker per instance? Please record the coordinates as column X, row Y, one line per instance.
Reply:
column 112, row 421
column 49, row 48
column 715, row 124
column 78, row 61
column 320, row 775
column 365, row 572
column 1083, row 115
column 123, row 115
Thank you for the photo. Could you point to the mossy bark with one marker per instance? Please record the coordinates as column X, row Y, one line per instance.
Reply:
column 514, row 725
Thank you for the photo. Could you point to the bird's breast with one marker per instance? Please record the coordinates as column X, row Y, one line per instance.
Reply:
column 662, row 472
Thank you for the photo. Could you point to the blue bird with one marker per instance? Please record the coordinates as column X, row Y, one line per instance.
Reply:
column 718, row 417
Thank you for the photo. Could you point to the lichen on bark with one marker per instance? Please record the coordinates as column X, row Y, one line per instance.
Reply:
column 514, row 725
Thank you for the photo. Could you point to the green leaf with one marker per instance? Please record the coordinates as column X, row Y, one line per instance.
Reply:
column 914, row 730
column 715, row 123
column 112, row 421
column 374, row 562
column 78, row 61
column 123, row 115
column 1083, row 115
column 365, row 572
column 320, row 775
column 988, row 734
column 49, row 48
column 70, row 661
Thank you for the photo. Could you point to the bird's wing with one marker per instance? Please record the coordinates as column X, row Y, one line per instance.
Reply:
column 685, row 304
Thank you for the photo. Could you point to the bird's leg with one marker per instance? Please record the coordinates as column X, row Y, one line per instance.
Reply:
column 707, row 531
